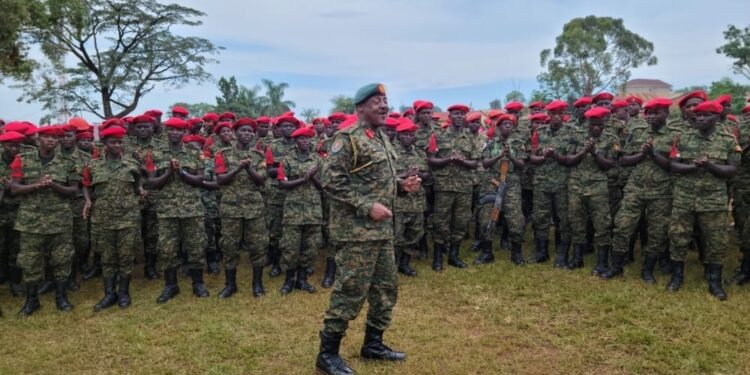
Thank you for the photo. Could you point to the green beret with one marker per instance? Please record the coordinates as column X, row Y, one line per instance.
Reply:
column 365, row 92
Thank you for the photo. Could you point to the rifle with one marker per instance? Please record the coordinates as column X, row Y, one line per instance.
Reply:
column 502, row 187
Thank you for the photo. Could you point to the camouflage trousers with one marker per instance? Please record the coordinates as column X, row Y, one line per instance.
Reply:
column 551, row 207
column 615, row 197
column 299, row 245
column 117, row 247
column 9, row 245
column 81, row 230
column 634, row 207
column 239, row 234
column 275, row 218
column 212, row 226
column 713, row 227
column 512, row 211
column 181, row 233
column 149, row 233
column 364, row 271
column 408, row 230
column 582, row 208
column 58, row 248
column 741, row 213
column 452, row 217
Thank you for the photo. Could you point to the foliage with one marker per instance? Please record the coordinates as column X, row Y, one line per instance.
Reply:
column 308, row 114
column 496, row 104
column 20, row 17
column 243, row 101
column 273, row 101
column 540, row 96
column 591, row 55
column 727, row 86
column 342, row 103
column 737, row 48
column 197, row 109
column 515, row 96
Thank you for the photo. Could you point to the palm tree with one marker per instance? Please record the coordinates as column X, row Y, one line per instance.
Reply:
column 274, row 98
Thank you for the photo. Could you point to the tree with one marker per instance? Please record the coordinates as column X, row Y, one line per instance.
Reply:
column 274, row 99
column 496, row 104
column 591, row 55
column 540, row 96
column 309, row 114
column 197, row 109
column 737, row 48
column 342, row 103
column 121, row 50
column 243, row 101
column 727, row 86
column 403, row 108
column 516, row 96
column 18, row 18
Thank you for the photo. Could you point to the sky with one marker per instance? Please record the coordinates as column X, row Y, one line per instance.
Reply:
column 445, row 51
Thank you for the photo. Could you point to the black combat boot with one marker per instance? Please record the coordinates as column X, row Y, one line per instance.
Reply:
column 647, row 272
column 504, row 238
column 61, row 296
column 561, row 254
column 437, row 256
column 275, row 255
column 485, row 255
column 258, row 289
column 404, row 267
column 230, row 283
column 199, row 287
column 288, row 282
column 602, row 261
column 302, row 283
column 171, row 289
column 453, row 258
column 330, row 275
column 110, row 297
column 32, row 300
column 373, row 347
column 96, row 268
column 123, row 293
column 329, row 361
column 541, row 251
column 742, row 277
column 715, row 283
column 149, row 270
column 516, row 254
column 665, row 264
column 678, row 276
column 47, row 286
column 476, row 246
column 72, row 283
column 618, row 262
column 577, row 260
column 15, row 278
column 423, row 249
column 212, row 262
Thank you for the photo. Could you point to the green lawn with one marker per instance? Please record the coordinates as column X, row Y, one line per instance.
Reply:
column 484, row 320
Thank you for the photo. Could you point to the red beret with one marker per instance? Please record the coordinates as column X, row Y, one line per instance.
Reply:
column 620, row 104
column 556, row 106
column 507, row 117
column 746, row 109
column 210, row 117
column 406, row 125
column 243, row 121
column 145, row 119
column 12, row 136
column 539, row 117
column 709, row 106
column 514, row 106
column 305, row 131
column 536, row 104
column 633, row 98
column 193, row 138
column 67, row 128
column 79, row 124
column 153, row 113
column 115, row 122
column 223, row 124
column 582, row 102
column 263, row 120
column 391, row 122
column 422, row 104
column 85, row 135
column 458, row 107
column 602, row 96
column 287, row 118
column 337, row 116
column 19, row 127
column 128, row 119
column 724, row 98
column 658, row 103
column 177, row 123
column 408, row 111
column 474, row 116
column 318, row 120
column 194, row 121
column 700, row 94
column 494, row 113
column 227, row 115
column 394, row 115
column 50, row 130
column 733, row 118
column 597, row 112
column 180, row 110
column 114, row 131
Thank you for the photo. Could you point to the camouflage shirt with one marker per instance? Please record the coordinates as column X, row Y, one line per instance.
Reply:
column 453, row 177
column 495, row 147
column 302, row 205
column 409, row 159
column 550, row 176
column 177, row 198
column 359, row 172
column 280, row 150
column 743, row 171
column 587, row 178
column 115, row 203
column 241, row 198
column 646, row 177
column 9, row 205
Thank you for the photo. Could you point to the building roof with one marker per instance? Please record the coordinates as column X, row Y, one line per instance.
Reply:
column 648, row 82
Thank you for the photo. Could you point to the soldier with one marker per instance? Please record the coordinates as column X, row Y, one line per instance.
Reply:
column 452, row 156
column 409, row 113
column 708, row 158
column 548, row 146
column 359, row 176
column 742, row 201
column 112, row 190
column 391, row 123
column 590, row 155
column 425, row 128
column 177, row 172
column 536, row 107
column 648, row 192
column 9, row 237
column 580, row 107
column 196, row 126
column 155, row 115
column 47, row 185
column 302, row 219
column 263, row 132
column 210, row 119
column 180, row 112
column 503, row 161
column 634, row 107
column 223, row 134
column 331, row 247
column 409, row 207
column 241, row 174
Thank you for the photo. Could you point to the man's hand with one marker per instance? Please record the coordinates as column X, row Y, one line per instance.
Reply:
column 590, row 146
column 549, row 151
column 244, row 163
column 378, row 212
column 311, row 173
column 86, row 210
column 647, row 148
column 44, row 182
column 701, row 161
column 174, row 164
column 411, row 184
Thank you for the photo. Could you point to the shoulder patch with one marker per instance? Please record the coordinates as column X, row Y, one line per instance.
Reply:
column 337, row 145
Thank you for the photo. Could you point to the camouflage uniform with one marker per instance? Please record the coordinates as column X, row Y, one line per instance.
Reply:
column 301, row 231
column 409, row 208
column 148, row 236
column 359, row 172
column 81, row 227
column 210, row 199
column 115, row 214
column 551, row 186
column 44, row 220
column 9, row 237
column 616, row 176
column 742, row 193
column 280, row 149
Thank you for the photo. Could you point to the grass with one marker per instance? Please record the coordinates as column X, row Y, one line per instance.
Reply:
column 495, row 319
